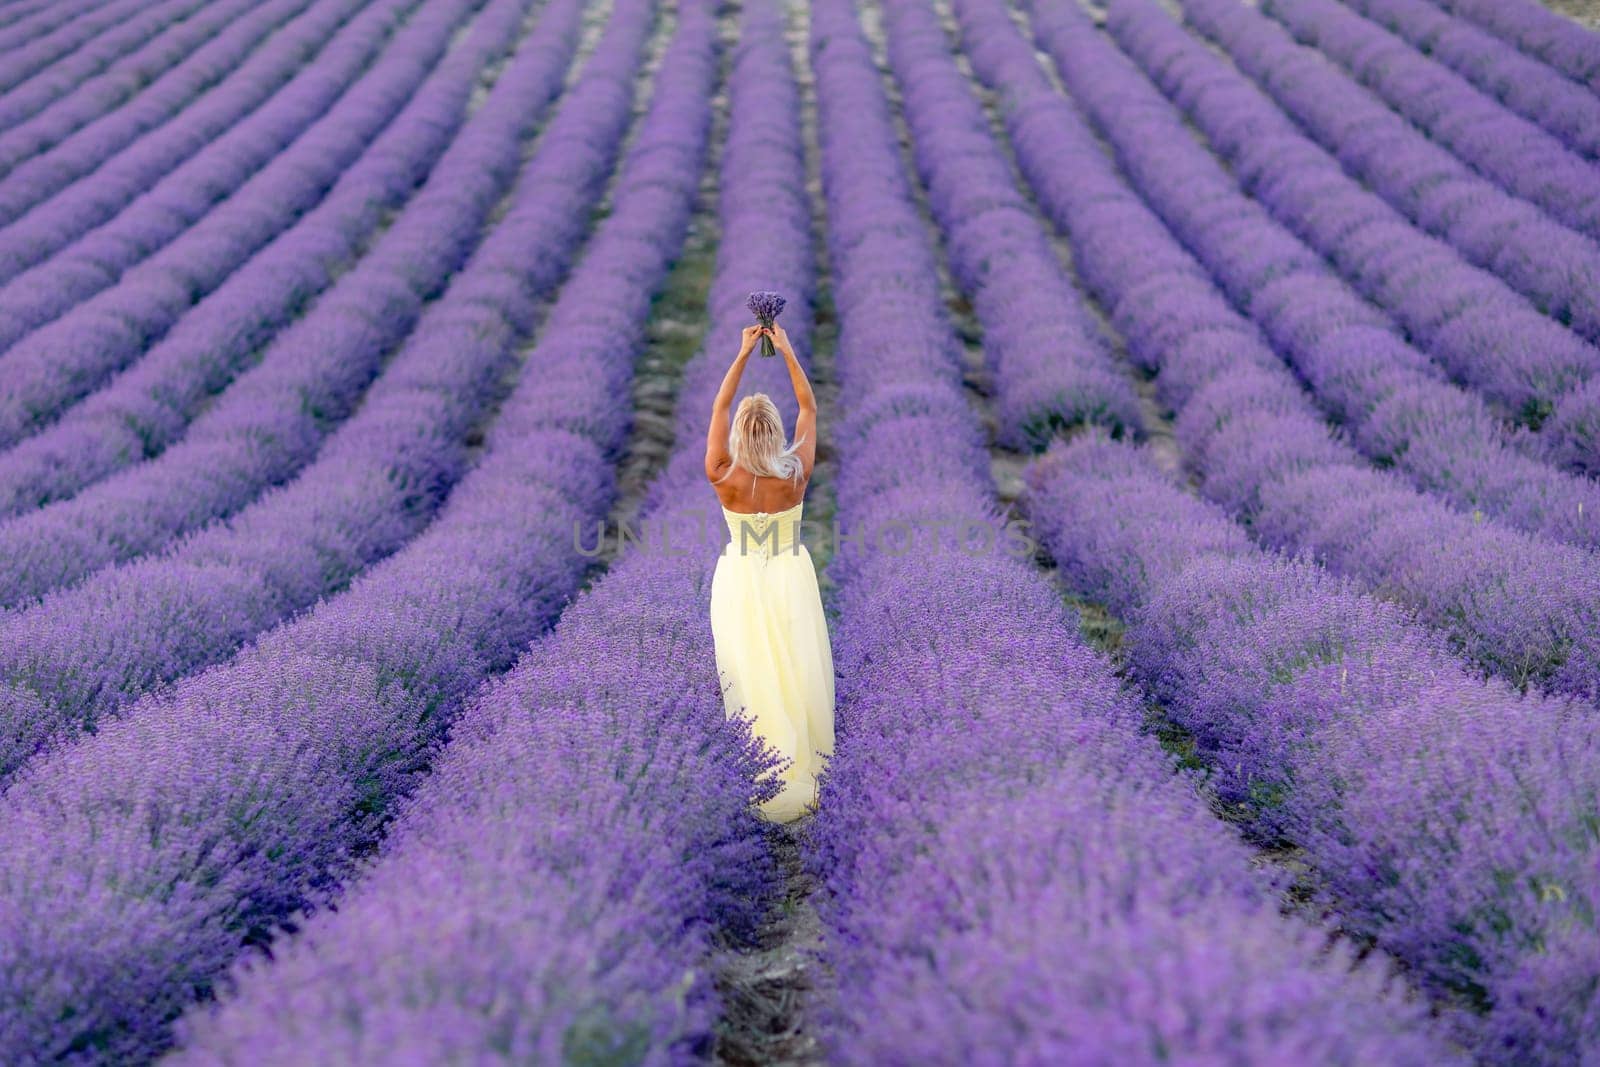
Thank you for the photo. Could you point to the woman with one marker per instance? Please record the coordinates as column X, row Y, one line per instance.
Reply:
column 773, row 654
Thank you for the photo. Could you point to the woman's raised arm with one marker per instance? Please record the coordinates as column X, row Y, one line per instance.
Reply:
column 805, row 423
column 718, row 458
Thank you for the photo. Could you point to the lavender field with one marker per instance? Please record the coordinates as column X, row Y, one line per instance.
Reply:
column 1207, row 513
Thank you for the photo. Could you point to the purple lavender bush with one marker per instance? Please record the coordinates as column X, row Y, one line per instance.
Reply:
column 1522, row 606
column 1124, row 536
column 1480, row 332
column 1539, row 32
column 1514, row 152
column 284, row 766
column 1557, row 269
column 22, row 10
column 1528, row 87
column 592, row 813
column 1051, row 367
column 377, row 481
column 55, row 197
column 1444, row 439
column 149, row 36
column 1005, row 862
column 84, row 314
column 49, row 117
column 1390, row 396
column 1446, row 817
column 269, row 422
column 30, row 45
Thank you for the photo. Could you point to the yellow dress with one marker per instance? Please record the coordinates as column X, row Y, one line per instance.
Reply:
column 773, row 654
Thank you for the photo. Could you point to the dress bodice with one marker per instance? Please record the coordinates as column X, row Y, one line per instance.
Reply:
column 764, row 533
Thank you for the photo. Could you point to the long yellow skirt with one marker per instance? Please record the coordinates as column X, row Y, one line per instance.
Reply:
column 774, row 658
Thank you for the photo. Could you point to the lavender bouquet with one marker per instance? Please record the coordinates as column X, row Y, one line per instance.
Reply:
column 766, row 307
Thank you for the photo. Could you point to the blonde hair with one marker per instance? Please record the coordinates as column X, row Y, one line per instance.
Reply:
column 755, row 441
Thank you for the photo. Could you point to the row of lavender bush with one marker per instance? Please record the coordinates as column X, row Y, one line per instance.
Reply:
column 32, row 44
column 77, row 656
column 42, row 123
column 591, row 819
column 15, row 11
column 1529, row 88
column 224, row 164
column 1480, row 331
column 1009, row 870
column 1446, row 817
column 283, row 767
column 148, row 35
column 270, row 422
column 1506, row 147
column 1539, row 32
column 158, row 111
column 1051, row 366
column 1383, row 390
column 108, row 309
column 1132, row 541
column 1522, row 606
column 1558, row 269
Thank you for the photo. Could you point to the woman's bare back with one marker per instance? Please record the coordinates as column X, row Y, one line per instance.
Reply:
column 748, row 493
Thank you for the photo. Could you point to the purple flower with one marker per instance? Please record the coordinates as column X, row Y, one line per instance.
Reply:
column 766, row 307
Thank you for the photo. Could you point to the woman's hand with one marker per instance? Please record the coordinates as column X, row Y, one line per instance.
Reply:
column 748, row 339
column 780, row 338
